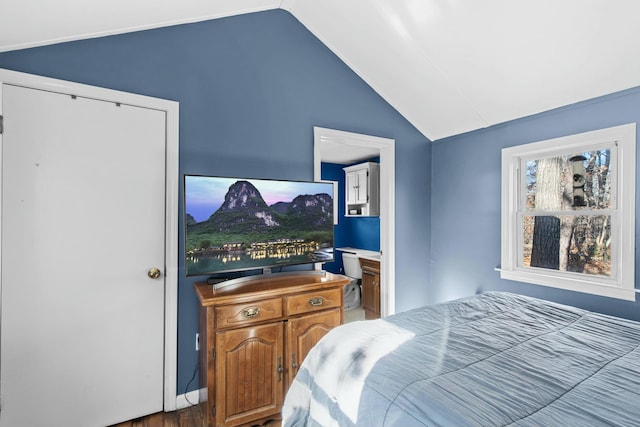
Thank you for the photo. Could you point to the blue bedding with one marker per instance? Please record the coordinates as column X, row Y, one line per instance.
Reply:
column 495, row 359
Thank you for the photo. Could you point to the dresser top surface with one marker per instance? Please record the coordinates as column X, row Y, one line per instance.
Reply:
column 268, row 286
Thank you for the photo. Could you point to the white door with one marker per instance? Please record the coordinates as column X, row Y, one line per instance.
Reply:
column 83, row 211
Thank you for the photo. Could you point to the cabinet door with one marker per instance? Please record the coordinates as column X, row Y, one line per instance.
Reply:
column 370, row 294
column 249, row 374
column 362, row 195
column 368, row 279
column 376, row 297
column 304, row 332
column 352, row 187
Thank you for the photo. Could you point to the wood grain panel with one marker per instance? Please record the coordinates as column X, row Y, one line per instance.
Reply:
column 303, row 333
column 313, row 301
column 243, row 314
column 243, row 356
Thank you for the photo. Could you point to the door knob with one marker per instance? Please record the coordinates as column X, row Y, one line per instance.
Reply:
column 153, row 273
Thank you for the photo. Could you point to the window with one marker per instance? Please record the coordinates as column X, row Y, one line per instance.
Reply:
column 568, row 212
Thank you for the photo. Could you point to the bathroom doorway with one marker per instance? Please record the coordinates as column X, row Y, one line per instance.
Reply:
column 335, row 146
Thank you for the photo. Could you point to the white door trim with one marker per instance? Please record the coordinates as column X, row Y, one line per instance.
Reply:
column 386, row 147
column 171, row 198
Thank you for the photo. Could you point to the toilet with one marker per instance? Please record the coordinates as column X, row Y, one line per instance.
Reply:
column 352, row 270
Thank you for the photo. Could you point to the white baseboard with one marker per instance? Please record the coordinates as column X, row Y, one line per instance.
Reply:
column 191, row 398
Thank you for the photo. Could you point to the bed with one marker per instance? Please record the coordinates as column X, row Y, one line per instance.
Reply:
column 494, row 359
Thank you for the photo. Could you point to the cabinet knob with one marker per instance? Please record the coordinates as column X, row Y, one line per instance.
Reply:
column 251, row 312
column 316, row 301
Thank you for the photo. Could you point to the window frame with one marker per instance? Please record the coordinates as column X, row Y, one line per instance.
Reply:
column 621, row 140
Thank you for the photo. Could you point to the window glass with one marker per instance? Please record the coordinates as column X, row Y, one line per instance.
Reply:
column 570, row 182
column 578, row 244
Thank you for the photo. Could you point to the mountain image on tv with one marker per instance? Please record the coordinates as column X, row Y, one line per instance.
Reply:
column 245, row 232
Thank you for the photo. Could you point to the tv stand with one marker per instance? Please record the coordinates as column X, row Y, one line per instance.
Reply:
column 253, row 339
column 221, row 282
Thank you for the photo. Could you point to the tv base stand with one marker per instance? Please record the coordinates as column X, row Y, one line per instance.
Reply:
column 219, row 282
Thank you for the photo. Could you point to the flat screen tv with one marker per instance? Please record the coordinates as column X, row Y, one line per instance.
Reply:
column 235, row 224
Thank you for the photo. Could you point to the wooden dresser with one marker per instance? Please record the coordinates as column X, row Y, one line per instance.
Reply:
column 253, row 337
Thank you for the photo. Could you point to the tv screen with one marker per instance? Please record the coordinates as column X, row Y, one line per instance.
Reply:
column 234, row 224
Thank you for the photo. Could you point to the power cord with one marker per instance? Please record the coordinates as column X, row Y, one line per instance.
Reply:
column 193, row 417
column 186, row 387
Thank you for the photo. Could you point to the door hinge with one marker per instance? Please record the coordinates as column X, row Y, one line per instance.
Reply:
column 213, row 410
column 213, row 353
column 1, row 125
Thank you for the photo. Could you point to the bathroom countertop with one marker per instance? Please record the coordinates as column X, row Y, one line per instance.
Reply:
column 362, row 253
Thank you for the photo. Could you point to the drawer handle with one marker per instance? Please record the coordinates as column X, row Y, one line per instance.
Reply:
column 251, row 312
column 316, row 301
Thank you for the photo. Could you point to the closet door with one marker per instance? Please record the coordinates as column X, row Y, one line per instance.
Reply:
column 83, row 211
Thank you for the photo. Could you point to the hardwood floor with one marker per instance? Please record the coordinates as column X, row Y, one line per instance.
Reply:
column 193, row 416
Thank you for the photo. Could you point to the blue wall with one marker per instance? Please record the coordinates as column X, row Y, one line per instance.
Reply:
column 361, row 233
column 251, row 88
column 465, row 214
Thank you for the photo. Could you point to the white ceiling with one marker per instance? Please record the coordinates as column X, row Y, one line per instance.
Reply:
column 340, row 153
column 448, row 66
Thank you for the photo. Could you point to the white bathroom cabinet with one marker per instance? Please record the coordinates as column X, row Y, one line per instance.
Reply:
column 362, row 189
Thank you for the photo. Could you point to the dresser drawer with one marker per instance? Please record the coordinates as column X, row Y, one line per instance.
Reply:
column 313, row 301
column 247, row 313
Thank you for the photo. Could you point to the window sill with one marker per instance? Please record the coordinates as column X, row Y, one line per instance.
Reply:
column 566, row 281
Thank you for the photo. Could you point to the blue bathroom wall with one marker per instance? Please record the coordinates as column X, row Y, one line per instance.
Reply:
column 251, row 88
column 362, row 233
column 466, row 192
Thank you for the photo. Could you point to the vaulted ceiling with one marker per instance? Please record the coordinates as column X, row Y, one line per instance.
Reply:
column 448, row 66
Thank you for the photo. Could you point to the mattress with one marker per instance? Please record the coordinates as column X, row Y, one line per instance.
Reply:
column 495, row 359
